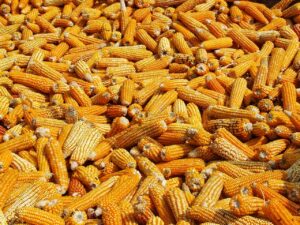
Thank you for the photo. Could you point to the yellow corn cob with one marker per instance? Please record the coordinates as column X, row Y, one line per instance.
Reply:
column 179, row 166
column 29, row 196
column 291, row 11
column 277, row 213
column 91, row 198
column 233, row 187
column 172, row 152
column 192, row 96
column 76, row 188
column 79, row 95
column 245, row 43
column 233, row 170
column 260, row 129
column 8, row 180
column 21, row 142
column 254, row 12
column 213, row 44
column 42, row 84
column 237, row 92
column 88, row 176
column 142, row 209
column 88, row 143
column 150, row 129
column 146, row 39
column 117, row 193
column 210, row 192
column 4, row 101
column 180, row 44
column 268, row 194
column 57, row 164
column 29, row 46
column 162, row 103
column 74, row 136
column 127, row 213
column 255, row 167
column 217, row 29
column 5, row 160
column 291, row 51
column 260, row 79
column 204, row 214
column 149, row 168
column 242, row 205
column 82, row 70
column 150, row 148
column 43, row 69
column 268, row 151
column 111, row 214
column 225, row 112
column 177, row 202
column 37, row 216
column 123, row 159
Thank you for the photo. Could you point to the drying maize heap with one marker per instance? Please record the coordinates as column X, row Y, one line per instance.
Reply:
column 149, row 112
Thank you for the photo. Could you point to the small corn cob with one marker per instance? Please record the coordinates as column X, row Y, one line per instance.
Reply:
column 8, row 180
column 260, row 129
column 44, row 70
column 242, row 205
column 210, row 192
column 157, row 195
column 150, row 129
column 290, row 53
column 126, row 92
column 261, row 79
column 237, row 92
column 4, row 101
column 123, row 159
column 218, row 216
column 189, row 95
column 57, row 164
column 172, row 152
column 180, row 44
column 277, row 213
column 289, row 96
column 88, row 176
column 225, row 149
column 267, row 151
column 226, row 112
column 76, row 188
column 142, row 209
column 242, row 40
column 42, row 161
column 36, row 216
column 232, row 170
column 291, row 11
column 127, row 213
column 74, row 135
column 19, row 143
column 233, row 187
column 177, row 202
column 89, row 141
column 146, row 39
column 92, row 198
column 179, row 166
column 111, row 214
column 194, row 180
